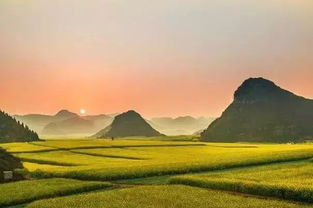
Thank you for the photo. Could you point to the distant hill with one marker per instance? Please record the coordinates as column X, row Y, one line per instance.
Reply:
column 65, row 114
column 128, row 124
column 263, row 112
column 184, row 125
column 99, row 121
column 37, row 122
column 13, row 131
column 65, row 122
column 8, row 163
column 76, row 125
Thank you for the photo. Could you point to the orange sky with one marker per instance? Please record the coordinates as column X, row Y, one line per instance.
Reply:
column 165, row 58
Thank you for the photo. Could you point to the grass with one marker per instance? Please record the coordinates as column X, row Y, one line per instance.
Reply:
column 174, row 196
column 292, row 181
column 26, row 191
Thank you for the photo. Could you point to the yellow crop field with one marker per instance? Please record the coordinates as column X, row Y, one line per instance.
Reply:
column 293, row 181
column 121, row 159
column 270, row 170
column 173, row 196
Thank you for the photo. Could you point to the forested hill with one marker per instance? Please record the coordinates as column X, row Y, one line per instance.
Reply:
column 14, row 131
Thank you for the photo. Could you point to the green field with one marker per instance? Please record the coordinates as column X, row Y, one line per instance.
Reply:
column 162, row 196
column 138, row 166
column 112, row 160
column 30, row 190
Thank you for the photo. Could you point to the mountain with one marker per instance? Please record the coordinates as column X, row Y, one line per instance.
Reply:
column 65, row 114
column 198, row 133
column 13, row 131
column 65, row 122
column 263, row 112
column 8, row 163
column 184, row 125
column 87, row 125
column 99, row 121
column 128, row 124
column 75, row 125
column 37, row 122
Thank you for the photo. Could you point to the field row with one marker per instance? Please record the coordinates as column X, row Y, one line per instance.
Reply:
column 30, row 190
column 174, row 196
column 291, row 181
column 56, row 145
column 136, row 162
column 46, row 193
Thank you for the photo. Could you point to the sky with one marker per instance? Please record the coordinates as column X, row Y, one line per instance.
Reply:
column 161, row 58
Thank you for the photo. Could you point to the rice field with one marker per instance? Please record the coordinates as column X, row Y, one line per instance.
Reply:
column 293, row 181
column 30, row 190
column 173, row 196
column 24, row 147
column 120, row 159
column 165, row 171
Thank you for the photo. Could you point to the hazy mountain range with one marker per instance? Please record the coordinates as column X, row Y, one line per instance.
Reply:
column 65, row 122
column 68, row 123
column 184, row 125
column 263, row 112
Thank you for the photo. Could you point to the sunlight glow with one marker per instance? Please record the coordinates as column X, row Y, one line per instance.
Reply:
column 82, row 111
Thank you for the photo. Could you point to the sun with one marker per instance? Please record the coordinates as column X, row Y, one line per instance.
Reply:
column 82, row 111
